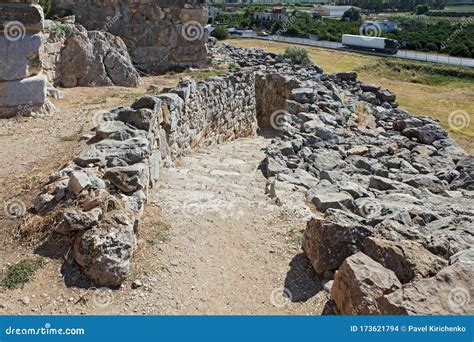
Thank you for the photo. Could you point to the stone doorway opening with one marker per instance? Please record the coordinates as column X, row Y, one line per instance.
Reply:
column 271, row 94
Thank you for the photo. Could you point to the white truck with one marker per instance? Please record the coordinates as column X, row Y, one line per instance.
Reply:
column 376, row 44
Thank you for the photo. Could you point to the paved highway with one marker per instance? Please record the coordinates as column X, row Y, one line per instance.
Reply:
column 405, row 54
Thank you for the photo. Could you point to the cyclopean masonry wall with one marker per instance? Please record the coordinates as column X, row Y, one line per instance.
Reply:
column 22, row 84
column 159, row 34
column 99, row 198
column 393, row 194
column 77, row 57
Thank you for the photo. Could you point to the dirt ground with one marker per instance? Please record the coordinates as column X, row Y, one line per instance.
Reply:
column 211, row 241
column 205, row 248
column 33, row 148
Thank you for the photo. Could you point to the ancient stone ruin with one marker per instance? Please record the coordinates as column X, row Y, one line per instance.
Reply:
column 76, row 57
column 392, row 231
column 22, row 81
column 159, row 34
column 36, row 55
column 39, row 55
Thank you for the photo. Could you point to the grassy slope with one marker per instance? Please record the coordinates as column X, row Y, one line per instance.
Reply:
column 437, row 99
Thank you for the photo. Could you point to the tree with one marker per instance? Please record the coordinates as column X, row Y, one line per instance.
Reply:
column 422, row 9
column 298, row 56
column 220, row 32
column 352, row 14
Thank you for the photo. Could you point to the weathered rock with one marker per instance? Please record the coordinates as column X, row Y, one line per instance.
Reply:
column 144, row 118
column 385, row 95
column 326, row 200
column 426, row 134
column 113, row 153
column 77, row 220
column 23, row 93
column 174, row 33
column 382, row 183
column 105, row 251
column 44, row 203
column 408, row 259
column 129, row 178
column 448, row 293
column 329, row 241
column 117, row 130
column 78, row 181
column 466, row 256
column 359, row 284
column 20, row 58
column 96, row 59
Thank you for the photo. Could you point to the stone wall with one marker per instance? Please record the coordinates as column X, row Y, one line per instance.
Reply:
column 158, row 33
column 22, row 84
column 97, row 200
column 392, row 231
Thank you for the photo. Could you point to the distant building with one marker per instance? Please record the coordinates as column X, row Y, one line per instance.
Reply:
column 278, row 13
column 383, row 25
column 330, row 11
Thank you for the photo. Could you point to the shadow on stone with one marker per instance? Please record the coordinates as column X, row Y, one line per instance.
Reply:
column 58, row 246
column 302, row 281
column 73, row 276
column 330, row 309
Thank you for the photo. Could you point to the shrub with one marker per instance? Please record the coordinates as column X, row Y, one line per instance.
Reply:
column 20, row 273
column 47, row 7
column 421, row 9
column 220, row 32
column 352, row 14
column 298, row 56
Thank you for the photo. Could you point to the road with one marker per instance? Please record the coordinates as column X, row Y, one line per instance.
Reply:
column 405, row 54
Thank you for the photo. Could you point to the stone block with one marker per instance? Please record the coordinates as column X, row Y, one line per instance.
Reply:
column 28, row 91
column 18, row 18
column 21, row 58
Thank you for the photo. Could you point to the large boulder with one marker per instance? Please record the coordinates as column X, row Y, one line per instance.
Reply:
column 96, row 59
column 105, row 251
column 115, row 153
column 20, row 58
column 450, row 292
column 408, row 259
column 329, row 241
column 359, row 284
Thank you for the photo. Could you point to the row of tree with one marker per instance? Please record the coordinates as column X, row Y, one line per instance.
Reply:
column 400, row 5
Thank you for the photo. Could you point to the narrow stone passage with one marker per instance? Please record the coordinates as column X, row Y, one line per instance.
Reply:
column 230, row 249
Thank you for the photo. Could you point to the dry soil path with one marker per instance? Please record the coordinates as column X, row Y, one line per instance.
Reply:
column 230, row 249
column 210, row 242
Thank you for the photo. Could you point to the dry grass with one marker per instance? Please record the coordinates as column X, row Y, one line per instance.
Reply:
column 434, row 100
